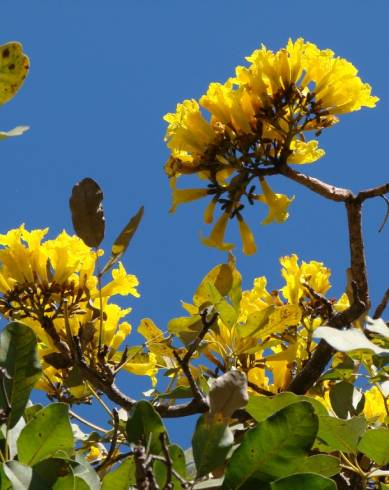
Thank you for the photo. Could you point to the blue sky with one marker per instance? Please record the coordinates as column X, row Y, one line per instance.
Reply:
column 103, row 75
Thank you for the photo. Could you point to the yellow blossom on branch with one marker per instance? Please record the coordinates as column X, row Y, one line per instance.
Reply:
column 278, row 204
column 255, row 124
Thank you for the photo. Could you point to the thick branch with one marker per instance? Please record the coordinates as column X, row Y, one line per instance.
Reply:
column 322, row 355
column 374, row 192
column 326, row 190
column 357, row 249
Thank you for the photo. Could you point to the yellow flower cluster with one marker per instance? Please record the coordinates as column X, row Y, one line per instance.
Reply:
column 258, row 123
column 268, row 335
column 51, row 286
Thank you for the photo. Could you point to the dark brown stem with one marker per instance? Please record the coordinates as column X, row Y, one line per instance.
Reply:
column 357, row 249
column 313, row 369
column 374, row 192
column 382, row 305
column 326, row 190
column 184, row 362
column 140, row 458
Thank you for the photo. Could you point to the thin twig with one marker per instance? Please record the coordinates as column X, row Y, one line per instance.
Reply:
column 257, row 389
column 382, row 305
column 112, row 447
column 184, row 362
column 100, row 400
column 386, row 214
column 87, row 423
column 313, row 369
column 168, row 461
column 184, row 483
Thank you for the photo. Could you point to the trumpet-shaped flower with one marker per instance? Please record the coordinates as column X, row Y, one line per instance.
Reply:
column 278, row 204
column 313, row 273
column 249, row 247
column 188, row 130
column 216, row 238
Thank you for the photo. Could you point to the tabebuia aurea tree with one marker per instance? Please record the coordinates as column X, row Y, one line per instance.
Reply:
column 290, row 387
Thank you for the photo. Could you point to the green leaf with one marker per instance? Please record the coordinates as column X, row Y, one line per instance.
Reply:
column 49, row 470
column 87, row 212
column 13, row 436
column 31, row 411
column 274, row 448
column 178, row 462
column 211, row 442
column 5, row 484
column 255, row 321
column 18, row 474
column 342, row 371
column 23, row 477
column 122, row 477
column 226, row 311
column 18, row 356
column 348, row 340
column 70, row 482
column 144, row 426
column 84, row 470
column 186, row 328
column 220, row 277
column 340, row 435
column 346, row 400
column 123, row 240
column 235, row 292
column 303, row 480
column 177, row 393
column 49, row 433
column 322, row 464
column 375, row 444
column 262, row 407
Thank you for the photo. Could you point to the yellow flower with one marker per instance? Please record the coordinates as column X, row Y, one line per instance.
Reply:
column 184, row 195
column 312, row 273
column 188, row 130
column 51, row 286
column 122, row 283
column 249, row 247
column 229, row 106
column 209, row 210
column 256, row 299
column 278, row 204
column 217, row 235
column 143, row 364
column 305, row 152
column 374, row 409
column 325, row 84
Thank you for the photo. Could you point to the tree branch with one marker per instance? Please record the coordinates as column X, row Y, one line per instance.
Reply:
column 313, row 369
column 331, row 192
column 382, row 305
column 373, row 192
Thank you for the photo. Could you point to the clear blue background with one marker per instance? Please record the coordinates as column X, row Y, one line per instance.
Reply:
column 102, row 76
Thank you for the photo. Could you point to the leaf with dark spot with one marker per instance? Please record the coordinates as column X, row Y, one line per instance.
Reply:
column 87, row 212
